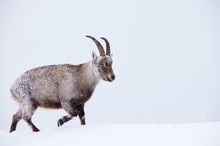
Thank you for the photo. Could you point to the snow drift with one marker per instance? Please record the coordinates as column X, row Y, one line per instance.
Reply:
column 197, row 134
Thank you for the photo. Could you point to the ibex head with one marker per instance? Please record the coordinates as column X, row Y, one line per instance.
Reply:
column 104, row 61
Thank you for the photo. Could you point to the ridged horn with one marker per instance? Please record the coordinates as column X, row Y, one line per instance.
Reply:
column 108, row 51
column 99, row 46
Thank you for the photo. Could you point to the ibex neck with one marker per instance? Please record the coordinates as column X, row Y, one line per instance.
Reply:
column 91, row 73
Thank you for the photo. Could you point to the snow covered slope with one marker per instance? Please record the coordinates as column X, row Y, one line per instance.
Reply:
column 198, row 134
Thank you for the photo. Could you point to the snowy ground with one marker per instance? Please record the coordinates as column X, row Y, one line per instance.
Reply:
column 197, row 134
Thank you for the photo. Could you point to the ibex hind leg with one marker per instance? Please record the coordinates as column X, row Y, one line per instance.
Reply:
column 33, row 127
column 27, row 115
column 16, row 118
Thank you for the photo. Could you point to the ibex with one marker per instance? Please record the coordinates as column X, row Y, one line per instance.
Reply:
column 61, row 86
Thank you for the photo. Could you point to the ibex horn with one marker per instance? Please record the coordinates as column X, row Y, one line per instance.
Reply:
column 108, row 51
column 101, row 50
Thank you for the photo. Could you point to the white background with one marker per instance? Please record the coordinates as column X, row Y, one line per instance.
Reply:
column 166, row 56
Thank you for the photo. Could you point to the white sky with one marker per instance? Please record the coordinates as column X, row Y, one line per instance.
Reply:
column 166, row 56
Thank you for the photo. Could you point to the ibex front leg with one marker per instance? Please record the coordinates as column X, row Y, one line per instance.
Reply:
column 70, row 109
column 81, row 113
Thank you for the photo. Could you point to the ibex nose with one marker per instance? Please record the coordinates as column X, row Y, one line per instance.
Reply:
column 113, row 77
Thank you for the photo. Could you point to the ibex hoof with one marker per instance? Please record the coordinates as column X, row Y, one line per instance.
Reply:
column 60, row 122
column 36, row 130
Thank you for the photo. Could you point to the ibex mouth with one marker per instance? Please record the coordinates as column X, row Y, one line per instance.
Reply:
column 111, row 78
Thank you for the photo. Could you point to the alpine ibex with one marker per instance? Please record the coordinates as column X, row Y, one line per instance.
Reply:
column 61, row 86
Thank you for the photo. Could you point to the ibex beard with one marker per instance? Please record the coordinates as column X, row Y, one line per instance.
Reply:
column 61, row 86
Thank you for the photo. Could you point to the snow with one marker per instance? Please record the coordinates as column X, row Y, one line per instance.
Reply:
column 191, row 134
column 166, row 58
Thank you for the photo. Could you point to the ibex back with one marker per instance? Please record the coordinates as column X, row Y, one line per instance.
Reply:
column 61, row 86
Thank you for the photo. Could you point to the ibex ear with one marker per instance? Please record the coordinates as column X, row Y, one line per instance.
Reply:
column 94, row 57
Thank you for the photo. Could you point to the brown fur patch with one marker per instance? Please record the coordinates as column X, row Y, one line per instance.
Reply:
column 51, row 104
column 79, row 67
